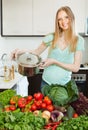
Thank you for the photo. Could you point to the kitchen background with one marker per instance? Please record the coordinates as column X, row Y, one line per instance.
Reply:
column 7, row 44
column 25, row 22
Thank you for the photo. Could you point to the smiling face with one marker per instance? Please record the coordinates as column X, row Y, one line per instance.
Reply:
column 63, row 20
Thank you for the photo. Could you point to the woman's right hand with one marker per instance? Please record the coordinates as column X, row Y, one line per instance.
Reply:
column 15, row 53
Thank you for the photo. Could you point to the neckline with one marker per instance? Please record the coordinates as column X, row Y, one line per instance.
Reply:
column 62, row 50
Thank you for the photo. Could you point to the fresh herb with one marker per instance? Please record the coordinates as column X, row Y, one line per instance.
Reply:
column 21, row 121
column 79, row 123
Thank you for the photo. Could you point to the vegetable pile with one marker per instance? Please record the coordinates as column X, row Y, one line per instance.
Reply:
column 57, row 108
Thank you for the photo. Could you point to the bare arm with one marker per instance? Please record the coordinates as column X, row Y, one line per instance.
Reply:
column 71, row 67
column 40, row 49
column 75, row 66
column 37, row 51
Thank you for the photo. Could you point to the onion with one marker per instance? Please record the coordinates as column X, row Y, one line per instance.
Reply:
column 56, row 115
column 36, row 112
column 47, row 113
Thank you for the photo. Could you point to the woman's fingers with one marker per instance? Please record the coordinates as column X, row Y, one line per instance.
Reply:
column 14, row 53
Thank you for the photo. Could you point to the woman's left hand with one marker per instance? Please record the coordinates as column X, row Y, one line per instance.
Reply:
column 47, row 62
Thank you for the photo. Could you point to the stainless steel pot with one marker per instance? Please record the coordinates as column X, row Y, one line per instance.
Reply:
column 28, row 64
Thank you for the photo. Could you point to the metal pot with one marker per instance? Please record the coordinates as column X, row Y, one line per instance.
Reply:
column 28, row 64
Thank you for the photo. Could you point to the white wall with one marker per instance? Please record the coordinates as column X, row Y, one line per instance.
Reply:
column 7, row 44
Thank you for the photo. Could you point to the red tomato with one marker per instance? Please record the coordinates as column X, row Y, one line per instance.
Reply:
column 50, row 108
column 22, row 102
column 33, row 107
column 47, row 100
column 43, row 105
column 29, row 98
column 38, row 96
column 38, row 103
column 75, row 115
column 12, row 107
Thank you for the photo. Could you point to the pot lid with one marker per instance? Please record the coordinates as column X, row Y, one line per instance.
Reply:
column 28, row 59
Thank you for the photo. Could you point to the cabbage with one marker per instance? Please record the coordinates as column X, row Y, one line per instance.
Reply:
column 61, row 95
column 58, row 95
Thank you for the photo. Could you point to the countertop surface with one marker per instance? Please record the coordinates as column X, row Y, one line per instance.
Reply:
column 11, row 83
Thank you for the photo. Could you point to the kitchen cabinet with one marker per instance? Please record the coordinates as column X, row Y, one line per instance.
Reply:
column 24, row 18
column 16, row 17
column 43, row 16
column 36, row 17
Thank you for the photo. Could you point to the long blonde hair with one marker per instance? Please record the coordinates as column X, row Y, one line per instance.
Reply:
column 70, row 34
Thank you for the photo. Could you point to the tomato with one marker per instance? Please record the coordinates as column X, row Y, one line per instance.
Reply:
column 50, row 108
column 29, row 98
column 43, row 105
column 33, row 107
column 13, row 100
column 38, row 103
column 47, row 100
column 12, row 107
column 6, row 108
column 22, row 102
column 38, row 96
column 75, row 115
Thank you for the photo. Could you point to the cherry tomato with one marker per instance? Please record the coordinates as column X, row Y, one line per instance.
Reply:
column 33, row 107
column 43, row 105
column 22, row 102
column 38, row 103
column 50, row 108
column 29, row 98
column 12, row 107
column 38, row 96
column 75, row 115
column 47, row 100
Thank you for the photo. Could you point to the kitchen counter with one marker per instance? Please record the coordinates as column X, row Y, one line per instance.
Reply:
column 11, row 83
column 20, row 84
column 83, row 68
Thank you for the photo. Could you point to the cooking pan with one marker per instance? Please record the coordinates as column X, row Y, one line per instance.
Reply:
column 28, row 64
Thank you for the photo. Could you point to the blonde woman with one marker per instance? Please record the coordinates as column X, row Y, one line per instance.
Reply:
column 65, row 49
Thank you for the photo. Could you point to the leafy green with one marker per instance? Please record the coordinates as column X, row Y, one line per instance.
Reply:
column 21, row 121
column 61, row 95
column 6, row 95
column 72, row 90
column 79, row 123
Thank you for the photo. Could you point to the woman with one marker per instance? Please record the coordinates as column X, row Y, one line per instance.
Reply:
column 65, row 50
